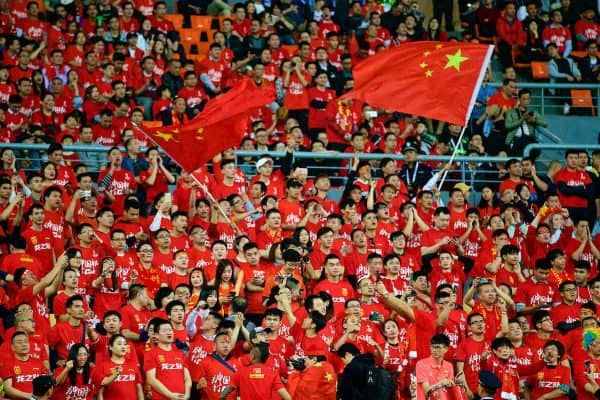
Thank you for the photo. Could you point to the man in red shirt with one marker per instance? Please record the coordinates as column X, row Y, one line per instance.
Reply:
column 115, row 182
column 335, row 284
column 558, row 34
column 217, row 369
column 65, row 334
column 292, row 212
column 166, row 371
column 19, row 372
column 441, row 236
column 573, row 186
column 510, row 33
column 257, row 381
column 135, row 314
column 55, row 217
column 39, row 240
column 470, row 349
column 535, row 293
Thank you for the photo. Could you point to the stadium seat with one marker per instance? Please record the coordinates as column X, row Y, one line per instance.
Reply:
column 203, row 48
column 152, row 124
column 202, row 22
column 176, row 19
column 583, row 99
column 539, row 70
column 516, row 63
column 189, row 38
column 577, row 54
column 291, row 48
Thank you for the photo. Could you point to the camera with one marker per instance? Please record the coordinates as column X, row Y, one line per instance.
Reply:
column 293, row 64
column 297, row 364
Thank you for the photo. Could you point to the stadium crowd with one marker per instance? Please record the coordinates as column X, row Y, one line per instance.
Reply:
column 250, row 280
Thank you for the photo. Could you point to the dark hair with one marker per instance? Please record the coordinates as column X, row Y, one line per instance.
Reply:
column 440, row 338
column 73, row 352
column 348, row 348
column 161, row 294
column 172, row 304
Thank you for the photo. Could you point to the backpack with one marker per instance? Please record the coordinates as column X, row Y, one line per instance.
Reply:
column 377, row 382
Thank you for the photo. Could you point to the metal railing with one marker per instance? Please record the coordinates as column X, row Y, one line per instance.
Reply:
column 545, row 101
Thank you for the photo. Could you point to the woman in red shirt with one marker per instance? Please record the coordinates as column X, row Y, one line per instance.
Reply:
column 157, row 178
column 73, row 381
column 118, row 378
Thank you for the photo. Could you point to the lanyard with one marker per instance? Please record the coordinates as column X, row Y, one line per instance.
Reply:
column 414, row 175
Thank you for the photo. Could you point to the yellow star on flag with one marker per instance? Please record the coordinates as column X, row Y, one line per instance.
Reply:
column 427, row 53
column 454, row 60
column 199, row 136
column 429, row 73
column 165, row 136
column 328, row 377
column 439, row 46
column 423, row 65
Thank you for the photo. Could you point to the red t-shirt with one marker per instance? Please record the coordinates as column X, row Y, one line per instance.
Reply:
column 22, row 373
column 217, row 376
column 256, row 381
column 125, row 386
column 169, row 366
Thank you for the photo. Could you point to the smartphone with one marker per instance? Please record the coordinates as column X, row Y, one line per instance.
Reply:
column 371, row 114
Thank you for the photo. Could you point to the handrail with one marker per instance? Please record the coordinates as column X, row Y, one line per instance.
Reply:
column 549, row 85
column 542, row 146
column 370, row 156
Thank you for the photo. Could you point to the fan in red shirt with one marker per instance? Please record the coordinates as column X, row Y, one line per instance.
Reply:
column 117, row 377
column 535, row 293
column 558, row 34
column 470, row 349
column 257, row 381
column 217, row 369
column 19, row 371
column 573, row 186
column 213, row 71
column 166, row 371
column 66, row 333
column 554, row 379
column 335, row 284
column 115, row 182
column 74, row 379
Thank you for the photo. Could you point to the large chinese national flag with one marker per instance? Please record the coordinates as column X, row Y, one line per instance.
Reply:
column 193, row 145
column 431, row 79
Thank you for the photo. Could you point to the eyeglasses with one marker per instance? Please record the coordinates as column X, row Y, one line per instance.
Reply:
column 478, row 322
column 547, row 319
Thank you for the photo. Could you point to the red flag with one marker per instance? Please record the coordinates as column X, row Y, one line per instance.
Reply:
column 219, row 126
column 430, row 79
column 191, row 146
column 243, row 97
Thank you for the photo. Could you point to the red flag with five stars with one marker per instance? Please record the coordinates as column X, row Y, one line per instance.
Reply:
column 430, row 79
column 218, row 127
column 192, row 146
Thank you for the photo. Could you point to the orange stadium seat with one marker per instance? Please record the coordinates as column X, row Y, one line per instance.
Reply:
column 202, row 22
column 189, row 38
column 539, row 70
column 517, row 64
column 176, row 19
column 152, row 124
column 583, row 99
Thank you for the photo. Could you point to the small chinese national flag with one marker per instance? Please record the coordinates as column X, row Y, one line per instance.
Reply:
column 220, row 126
column 437, row 80
column 192, row 146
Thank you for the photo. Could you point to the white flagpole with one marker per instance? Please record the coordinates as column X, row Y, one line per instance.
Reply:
column 482, row 71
